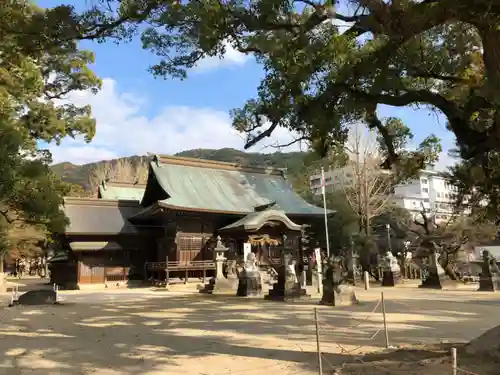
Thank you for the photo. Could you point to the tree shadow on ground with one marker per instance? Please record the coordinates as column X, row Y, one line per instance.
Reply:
column 199, row 334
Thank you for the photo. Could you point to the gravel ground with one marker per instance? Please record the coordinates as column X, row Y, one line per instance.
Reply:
column 152, row 333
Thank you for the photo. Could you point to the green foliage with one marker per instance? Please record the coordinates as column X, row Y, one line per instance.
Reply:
column 37, row 71
column 478, row 182
column 395, row 132
column 437, row 54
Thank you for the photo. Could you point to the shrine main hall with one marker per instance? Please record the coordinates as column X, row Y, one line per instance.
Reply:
column 176, row 217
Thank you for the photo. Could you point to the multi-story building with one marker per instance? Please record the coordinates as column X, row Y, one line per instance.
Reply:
column 430, row 191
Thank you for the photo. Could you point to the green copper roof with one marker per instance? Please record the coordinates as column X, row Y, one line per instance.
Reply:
column 112, row 192
column 212, row 186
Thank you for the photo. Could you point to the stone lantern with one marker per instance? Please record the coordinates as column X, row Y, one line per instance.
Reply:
column 219, row 284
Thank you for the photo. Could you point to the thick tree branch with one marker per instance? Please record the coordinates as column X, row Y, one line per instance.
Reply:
column 256, row 139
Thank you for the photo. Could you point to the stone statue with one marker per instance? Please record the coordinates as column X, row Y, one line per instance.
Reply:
column 336, row 291
column 392, row 262
column 287, row 286
column 489, row 278
column 250, row 279
column 435, row 275
column 290, row 271
column 334, row 272
column 391, row 270
column 219, row 244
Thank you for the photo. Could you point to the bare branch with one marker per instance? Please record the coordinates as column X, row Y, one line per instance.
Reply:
column 366, row 186
column 292, row 142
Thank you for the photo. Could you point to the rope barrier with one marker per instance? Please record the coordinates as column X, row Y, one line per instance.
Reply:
column 466, row 371
column 456, row 370
column 406, row 305
column 230, row 372
column 363, row 320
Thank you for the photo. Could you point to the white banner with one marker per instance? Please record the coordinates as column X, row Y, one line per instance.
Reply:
column 247, row 249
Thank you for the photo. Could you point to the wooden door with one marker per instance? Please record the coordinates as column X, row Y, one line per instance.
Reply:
column 97, row 275
column 189, row 248
column 91, row 272
column 85, row 273
column 115, row 274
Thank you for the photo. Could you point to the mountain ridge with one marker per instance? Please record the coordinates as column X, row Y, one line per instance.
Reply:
column 292, row 161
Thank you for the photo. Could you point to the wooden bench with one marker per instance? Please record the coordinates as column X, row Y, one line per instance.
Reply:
column 175, row 266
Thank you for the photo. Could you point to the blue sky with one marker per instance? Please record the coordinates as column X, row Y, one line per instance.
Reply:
column 137, row 113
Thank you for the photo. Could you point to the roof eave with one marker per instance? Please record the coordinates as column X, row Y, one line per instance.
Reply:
column 191, row 209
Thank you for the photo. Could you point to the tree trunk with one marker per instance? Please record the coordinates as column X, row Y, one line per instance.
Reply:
column 490, row 37
column 2, row 274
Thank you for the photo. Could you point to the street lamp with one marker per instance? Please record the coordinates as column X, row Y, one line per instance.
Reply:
column 388, row 227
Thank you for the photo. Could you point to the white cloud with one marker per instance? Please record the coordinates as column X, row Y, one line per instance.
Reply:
column 231, row 57
column 445, row 161
column 122, row 130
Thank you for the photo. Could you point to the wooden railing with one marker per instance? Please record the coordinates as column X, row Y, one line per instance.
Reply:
column 176, row 266
column 408, row 271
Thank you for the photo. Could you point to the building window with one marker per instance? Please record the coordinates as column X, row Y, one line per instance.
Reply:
column 423, row 181
column 425, row 190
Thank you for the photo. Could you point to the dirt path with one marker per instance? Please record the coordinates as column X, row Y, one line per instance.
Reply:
column 174, row 334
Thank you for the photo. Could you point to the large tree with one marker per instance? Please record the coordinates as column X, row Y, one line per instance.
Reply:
column 436, row 53
column 36, row 74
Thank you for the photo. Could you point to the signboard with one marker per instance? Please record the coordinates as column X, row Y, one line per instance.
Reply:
column 319, row 265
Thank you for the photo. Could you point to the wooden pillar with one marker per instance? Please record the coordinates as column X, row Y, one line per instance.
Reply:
column 167, row 273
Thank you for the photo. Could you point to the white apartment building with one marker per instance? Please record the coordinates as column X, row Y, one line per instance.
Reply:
column 430, row 191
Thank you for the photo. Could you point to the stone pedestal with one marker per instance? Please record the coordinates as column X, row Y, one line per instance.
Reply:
column 249, row 285
column 435, row 274
column 489, row 283
column 220, row 284
column 287, row 287
column 391, row 278
column 250, row 278
column 342, row 295
column 486, row 284
column 391, row 274
column 285, row 290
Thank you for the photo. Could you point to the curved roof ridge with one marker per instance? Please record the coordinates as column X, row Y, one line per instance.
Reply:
column 213, row 164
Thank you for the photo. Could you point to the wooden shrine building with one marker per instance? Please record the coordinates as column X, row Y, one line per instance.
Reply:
column 174, row 219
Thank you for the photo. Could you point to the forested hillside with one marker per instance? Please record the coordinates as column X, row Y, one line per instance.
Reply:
column 294, row 162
